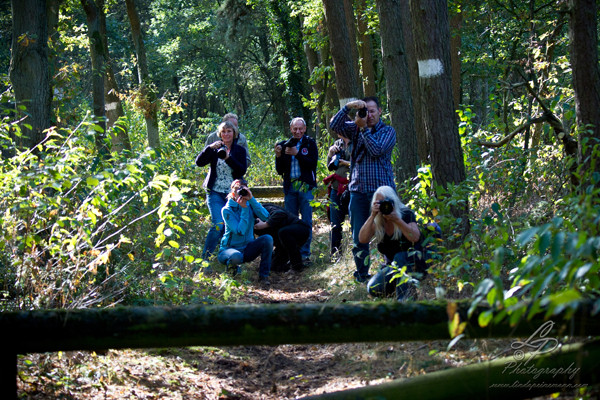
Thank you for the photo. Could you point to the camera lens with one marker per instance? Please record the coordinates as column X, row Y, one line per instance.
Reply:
column 292, row 142
column 222, row 153
column 386, row 206
column 362, row 112
column 242, row 192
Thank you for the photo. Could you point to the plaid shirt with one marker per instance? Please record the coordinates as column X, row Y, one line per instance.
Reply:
column 295, row 171
column 371, row 164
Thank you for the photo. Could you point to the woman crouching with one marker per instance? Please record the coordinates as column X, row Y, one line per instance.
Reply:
column 398, row 239
column 238, row 244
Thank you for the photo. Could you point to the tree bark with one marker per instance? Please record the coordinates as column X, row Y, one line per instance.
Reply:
column 117, row 129
column 147, row 91
column 351, row 24
column 395, row 66
column 586, row 78
column 432, row 39
column 252, row 324
column 504, row 378
column 341, row 52
column 29, row 70
column 455, row 43
column 366, row 51
column 409, row 48
column 96, row 42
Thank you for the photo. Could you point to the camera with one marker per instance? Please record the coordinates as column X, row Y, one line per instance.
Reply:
column 292, row 142
column 386, row 206
column 242, row 192
column 222, row 152
column 362, row 112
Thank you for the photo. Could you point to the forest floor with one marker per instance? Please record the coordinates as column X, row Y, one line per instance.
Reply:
column 251, row 372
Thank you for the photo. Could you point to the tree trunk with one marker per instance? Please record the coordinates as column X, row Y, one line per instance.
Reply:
column 291, row 51
column 117, row 129
column 351, row 24
column 415, row 89
column 395, row 66
column 147, row 91
column 503, row 378
column 366, row 51
column 586, row 78
column 312, row 59
column 29, row 73
column 455, row 43
column 432, row 39
column 92, row 12
column 341, row 51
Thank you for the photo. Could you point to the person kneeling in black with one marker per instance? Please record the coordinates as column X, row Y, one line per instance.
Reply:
column 289, row 234
column 398, row 238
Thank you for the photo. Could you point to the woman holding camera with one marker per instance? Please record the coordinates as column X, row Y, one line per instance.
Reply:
column 227, row 162
column 398, row 238
column 238, row 244
column 338, row 161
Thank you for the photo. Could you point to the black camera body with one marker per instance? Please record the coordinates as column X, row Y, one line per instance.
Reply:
column 362, row 112
column 242, row 192
column 222, row 152
column 386, row 206
column 291, row 142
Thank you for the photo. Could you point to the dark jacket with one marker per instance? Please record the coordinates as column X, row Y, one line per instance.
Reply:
column 279, row 217
column 236, row 160
column 308, row 156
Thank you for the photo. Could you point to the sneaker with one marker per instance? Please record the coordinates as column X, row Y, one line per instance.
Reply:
column 235, row 270
column 264, row 281
column 362, row 278
column 299, row 267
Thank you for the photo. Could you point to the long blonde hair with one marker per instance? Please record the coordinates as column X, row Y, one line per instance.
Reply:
column 388, row 193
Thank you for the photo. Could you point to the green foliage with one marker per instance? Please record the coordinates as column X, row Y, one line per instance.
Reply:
column 78, row 230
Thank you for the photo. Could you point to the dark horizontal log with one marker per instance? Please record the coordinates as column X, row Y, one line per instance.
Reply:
column 145, row 327
column 513, row 377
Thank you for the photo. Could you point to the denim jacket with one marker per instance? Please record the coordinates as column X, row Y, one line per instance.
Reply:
column 239, row 223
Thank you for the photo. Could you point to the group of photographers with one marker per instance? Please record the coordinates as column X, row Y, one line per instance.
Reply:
column 361, row 185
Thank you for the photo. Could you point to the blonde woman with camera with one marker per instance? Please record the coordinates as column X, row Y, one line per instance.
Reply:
column 399, row 240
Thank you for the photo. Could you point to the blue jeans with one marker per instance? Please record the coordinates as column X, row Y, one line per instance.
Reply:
column 215, row 202
column 336, row 216
column 262, row 246
column 382, row 283
column 298, row 202
column 360, row 209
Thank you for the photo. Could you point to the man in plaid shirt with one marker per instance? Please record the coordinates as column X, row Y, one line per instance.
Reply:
column 371, row 167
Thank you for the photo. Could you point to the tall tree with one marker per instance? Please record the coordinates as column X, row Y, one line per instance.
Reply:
column 114, row 108
column 409, row 48
column 432, row 40
column 351, row 24
column 341, row 52
column 366, row 50
column 586, row 76
column 28, row 71
column 93, row 9
column 147, row 91
column 395, row 66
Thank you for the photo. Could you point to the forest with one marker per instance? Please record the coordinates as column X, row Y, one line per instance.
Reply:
column 105, row 105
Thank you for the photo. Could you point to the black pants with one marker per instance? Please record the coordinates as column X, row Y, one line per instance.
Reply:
column 288, row 242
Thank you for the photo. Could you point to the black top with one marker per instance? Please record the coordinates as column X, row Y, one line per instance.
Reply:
column 390, row 247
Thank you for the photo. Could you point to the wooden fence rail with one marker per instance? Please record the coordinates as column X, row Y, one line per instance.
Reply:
column 273, row 324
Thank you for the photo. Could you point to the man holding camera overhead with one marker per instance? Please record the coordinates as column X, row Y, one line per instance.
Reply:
column 296, row 160
column 371, row 167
